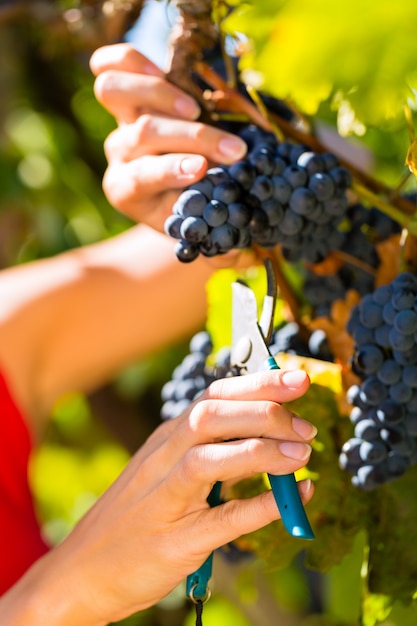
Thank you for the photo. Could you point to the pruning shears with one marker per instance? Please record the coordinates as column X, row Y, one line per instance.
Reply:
column 250, row 353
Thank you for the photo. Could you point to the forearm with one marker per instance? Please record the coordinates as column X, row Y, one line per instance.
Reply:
column 72, row 321
column 132, row 298
column 45, row 596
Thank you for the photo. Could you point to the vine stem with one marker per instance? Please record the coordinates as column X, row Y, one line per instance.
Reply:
column 229, row 97
column 193, row 33
column 352, row 260
column 365, row 184
column 405, row 220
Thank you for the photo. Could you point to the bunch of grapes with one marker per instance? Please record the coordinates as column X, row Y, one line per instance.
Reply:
column 363, row 228
column 281, row 193
column 193, row 375
column 291, row 339
column 384, row 414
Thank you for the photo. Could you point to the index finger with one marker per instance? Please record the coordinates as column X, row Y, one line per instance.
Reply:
column 122, row 57
column 128, row 83
column 274, row 385
column 118, row 89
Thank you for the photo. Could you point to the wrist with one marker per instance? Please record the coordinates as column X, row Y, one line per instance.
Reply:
column 47, row 595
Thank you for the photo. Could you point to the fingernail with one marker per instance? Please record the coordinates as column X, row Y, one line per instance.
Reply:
column 232, row 147
column 187, row 107
column 294, row 450
column 304, row 428
column 307, row 484
column 294, row 379
column 190, row 166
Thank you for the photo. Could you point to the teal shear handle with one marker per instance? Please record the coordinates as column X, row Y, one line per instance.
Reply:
column 197, row 583
column 287, row 496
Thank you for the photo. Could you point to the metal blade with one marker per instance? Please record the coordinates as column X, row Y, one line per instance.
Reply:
column 249, row 350
column 266, row 322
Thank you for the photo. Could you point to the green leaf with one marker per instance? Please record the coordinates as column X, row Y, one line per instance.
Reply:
column 376, row 608
column 309, row 52
column 393, row 540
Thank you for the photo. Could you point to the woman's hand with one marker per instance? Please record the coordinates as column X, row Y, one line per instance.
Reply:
column 158, row 148
column 153, row 526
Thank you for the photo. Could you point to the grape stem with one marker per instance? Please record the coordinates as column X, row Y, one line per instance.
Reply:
column 286, row 292
column 227, row 97
column 352, row 260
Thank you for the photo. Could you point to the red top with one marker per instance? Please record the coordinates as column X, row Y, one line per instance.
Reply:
column 20, row 538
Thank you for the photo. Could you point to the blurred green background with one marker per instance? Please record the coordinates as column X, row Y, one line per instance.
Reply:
column 51, row 166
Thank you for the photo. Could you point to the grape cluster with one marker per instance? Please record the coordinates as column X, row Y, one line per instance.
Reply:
column 291, row 339
column 384, row 414
column 281, row 193
column 193, row 375
column 362, row 229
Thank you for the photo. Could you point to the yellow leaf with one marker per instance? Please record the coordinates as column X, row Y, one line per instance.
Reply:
column 320, row 372
column 411, row 158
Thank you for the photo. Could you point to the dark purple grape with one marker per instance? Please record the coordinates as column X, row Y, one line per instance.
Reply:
column 193, row 229
column 274, row 210
column 399, row 341
column 369, row 358
column 390, row 412
column 224, row 237
column 297, row 176
column 409, row 375
column 190, row 203
column 215, row 213
column 322, row 185
column 217, row 175
column 282, row 189
column 336, row 206
column 244, row 173
column 186, row 251
column 205, row 186
column 201, row 342
column 372, row 451
column 303, row 201
column 400, row 393
column 172, row 226
column 312, row 162
column 329, row 160
column 405, row 322
column 373, row 392
column 262, row 188
column 383, row 294
column 239, row 214
column 368, row 477
column 390, row 372
column 342, row 177
column 262, row 159
column 370, row 313
column 227, row 192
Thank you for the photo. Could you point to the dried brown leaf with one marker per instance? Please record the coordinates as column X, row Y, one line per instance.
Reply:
column 389, row 252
